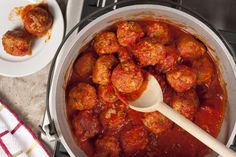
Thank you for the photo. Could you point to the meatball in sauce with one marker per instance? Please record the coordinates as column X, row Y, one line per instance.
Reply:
column 107, row 146
column 182, row 78
column 171, row 60
column 106, row 43
column 149, row 52
column 160, row 31
column 156, row 122
column 102, row 69
column 129, row 32
column 82, row 97
column 134, row 140
column 114, row 67
column 85, row 125
column 204, row 69
column 84, row 64
column 106, row 93
column 186, row 103
column 190, row 48
column 114, row 118
column 127, row 77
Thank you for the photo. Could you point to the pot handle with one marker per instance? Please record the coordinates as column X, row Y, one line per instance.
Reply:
column 72, row 14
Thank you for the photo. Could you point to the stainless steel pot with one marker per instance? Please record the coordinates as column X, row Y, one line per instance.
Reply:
column 69, row 51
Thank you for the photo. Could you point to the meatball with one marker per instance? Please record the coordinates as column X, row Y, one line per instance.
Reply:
column 134, row 139
column 204, row 70
column 149, row 52
column 186, row 103
column 114, row 117
column 107, row 146
column 182, row 78
column 107, row 94
column 106, row 43
column 84, row 65
column 160, row 31
column 124, row 55
column 190, row 48
column 37, row 20
column 102, row 69
column 168, row 92
column 85, row 125
column 172, row 58
column 127, row 77
column 156, row 122
column 82, row 97
column 128, row 33
column 17, row 42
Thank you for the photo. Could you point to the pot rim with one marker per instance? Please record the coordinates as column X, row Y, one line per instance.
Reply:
column 55, row 66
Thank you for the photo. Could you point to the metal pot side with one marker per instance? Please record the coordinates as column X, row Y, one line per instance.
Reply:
column 69, row 52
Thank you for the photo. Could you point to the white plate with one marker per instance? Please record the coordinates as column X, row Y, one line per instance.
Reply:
column 43, row 49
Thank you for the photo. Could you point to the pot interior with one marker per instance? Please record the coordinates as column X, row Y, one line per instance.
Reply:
column 70, row 50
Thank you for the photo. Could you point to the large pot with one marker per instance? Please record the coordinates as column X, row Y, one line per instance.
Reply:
column 69, row 52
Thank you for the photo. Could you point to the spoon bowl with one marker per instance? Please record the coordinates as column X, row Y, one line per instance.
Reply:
column 152, row 95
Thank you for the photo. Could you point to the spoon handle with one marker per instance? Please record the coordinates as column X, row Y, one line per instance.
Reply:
column 195, row 130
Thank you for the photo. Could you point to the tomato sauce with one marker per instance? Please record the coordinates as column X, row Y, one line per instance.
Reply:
column 174, row 142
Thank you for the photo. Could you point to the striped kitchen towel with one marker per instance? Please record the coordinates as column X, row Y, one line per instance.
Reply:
column 16, row 139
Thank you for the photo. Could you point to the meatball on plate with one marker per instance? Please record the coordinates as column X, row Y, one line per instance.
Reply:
column 37, row 19
column 17, row 42
column 43, row 22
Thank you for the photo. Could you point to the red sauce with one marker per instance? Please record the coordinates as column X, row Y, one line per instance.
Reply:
column 174, row 142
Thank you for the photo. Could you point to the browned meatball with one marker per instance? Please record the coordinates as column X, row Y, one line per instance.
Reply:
column 134, row 139
column 124, row 55
column 190, row 48
column 107, row 146
column 85, row 125
column 17, row 42
column 82, row 97
column 168, row 92
column 84, row 65
column 204, row 69
column 156, row 122
column 37, row 20
column 149, row 52
column 186, row 103
column 106, row 43
column 102, row 69
column 106, row 93
column 182, row 78
column 127, row 77
column 114, row 117
column 129, row 33
column 160, row 31
column 172, row 58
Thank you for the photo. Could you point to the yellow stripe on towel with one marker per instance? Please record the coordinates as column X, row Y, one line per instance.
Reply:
column 18, row 153
column 32, row 146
